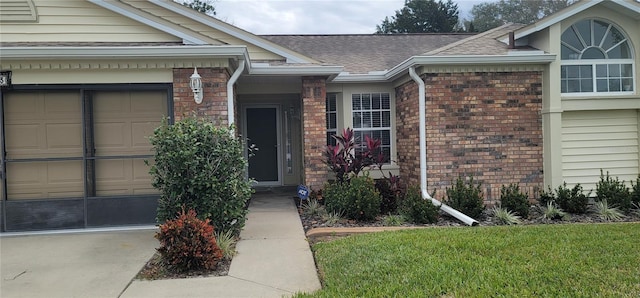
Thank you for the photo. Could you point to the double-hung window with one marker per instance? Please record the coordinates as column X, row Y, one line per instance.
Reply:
column 372, row 117
column 597, row 58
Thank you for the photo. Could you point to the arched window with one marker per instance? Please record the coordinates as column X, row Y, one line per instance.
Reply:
column 596, row 58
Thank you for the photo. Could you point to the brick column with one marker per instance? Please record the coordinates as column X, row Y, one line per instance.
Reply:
column 314, row 125
column 214, row 103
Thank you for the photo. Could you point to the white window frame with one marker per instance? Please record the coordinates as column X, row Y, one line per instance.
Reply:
column 328, row 112
column 389, row 128
column 593, row 63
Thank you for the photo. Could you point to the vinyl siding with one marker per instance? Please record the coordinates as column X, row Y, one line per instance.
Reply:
column 255, row 53
column 80, row 21
column 594, row 140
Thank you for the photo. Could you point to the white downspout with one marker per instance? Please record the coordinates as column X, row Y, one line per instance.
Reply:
column 230, row 106
column 423, row 154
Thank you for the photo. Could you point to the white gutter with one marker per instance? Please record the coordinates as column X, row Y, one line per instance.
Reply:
column 115, row 52
column 521, row 57
column 304, row 70
column 232, row 80
column 423, row 154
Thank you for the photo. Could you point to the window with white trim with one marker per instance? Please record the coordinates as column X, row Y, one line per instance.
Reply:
column 596, row 58
column 331, row 115
column 372, row 117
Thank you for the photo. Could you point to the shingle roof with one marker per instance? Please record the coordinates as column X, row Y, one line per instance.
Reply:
column 485, row 43
column 364, row 53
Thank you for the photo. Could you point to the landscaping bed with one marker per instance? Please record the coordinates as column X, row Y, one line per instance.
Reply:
column 315, row 221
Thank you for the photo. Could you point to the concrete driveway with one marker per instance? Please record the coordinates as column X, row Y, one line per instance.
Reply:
column 96, row 264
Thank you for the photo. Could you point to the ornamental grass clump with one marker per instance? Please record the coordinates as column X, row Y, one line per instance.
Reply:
column 202, row 167
column 311, row 207
column 226, row 240
column 188, row 243
column 552, row 212
column 503, row 216
column 607, row 212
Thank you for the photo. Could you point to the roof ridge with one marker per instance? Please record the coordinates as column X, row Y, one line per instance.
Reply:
column 468, row 39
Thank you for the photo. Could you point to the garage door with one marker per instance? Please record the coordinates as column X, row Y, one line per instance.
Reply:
column 76, row 158
column 40, row 126
column 123, row 121
column 594, row 140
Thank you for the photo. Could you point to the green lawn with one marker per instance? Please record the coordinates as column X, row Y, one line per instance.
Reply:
column 570, row 260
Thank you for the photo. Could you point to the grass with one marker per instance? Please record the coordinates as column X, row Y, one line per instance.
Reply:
column 581, row 260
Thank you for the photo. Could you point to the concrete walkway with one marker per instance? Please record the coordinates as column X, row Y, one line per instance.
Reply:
column 273, row 260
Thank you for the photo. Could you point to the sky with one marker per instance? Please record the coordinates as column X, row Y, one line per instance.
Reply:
column 314, row 16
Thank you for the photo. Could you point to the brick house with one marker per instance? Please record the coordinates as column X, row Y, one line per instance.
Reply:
column 89, row 80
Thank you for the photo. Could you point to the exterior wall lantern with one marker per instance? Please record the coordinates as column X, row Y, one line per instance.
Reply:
column 196, row 86
column 5, row 79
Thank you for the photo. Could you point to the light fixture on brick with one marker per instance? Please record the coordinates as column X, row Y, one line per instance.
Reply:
column 196, row 85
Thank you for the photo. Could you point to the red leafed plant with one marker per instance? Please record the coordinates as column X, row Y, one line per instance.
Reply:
column 346, row 160
column 188, row 243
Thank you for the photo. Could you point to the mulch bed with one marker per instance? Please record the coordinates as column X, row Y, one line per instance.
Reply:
column 535, row 217
column 156, row 269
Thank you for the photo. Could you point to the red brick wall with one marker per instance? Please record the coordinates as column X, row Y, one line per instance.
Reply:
column 214, row 103
column 314, row 127
column 488, row 125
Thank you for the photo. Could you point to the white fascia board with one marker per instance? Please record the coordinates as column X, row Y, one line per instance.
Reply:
column 250, row 38
column 346, row 77
column 547, row 22
column 187, row 39
column 628, row 5
column 315, row 70
column 48, row 53
column 534, row 58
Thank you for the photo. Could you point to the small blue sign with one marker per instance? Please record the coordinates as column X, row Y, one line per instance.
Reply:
column 303, row 192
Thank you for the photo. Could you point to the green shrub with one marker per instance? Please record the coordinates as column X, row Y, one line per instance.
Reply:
column 390, row 192
column 514, row 200
column 614, row 191
column 546, row 197
column 572, row 200
column 188, row 243
column 199, row 166
column 416, row 209
column 355, row 199
column 635, row 192
column 465, row 197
